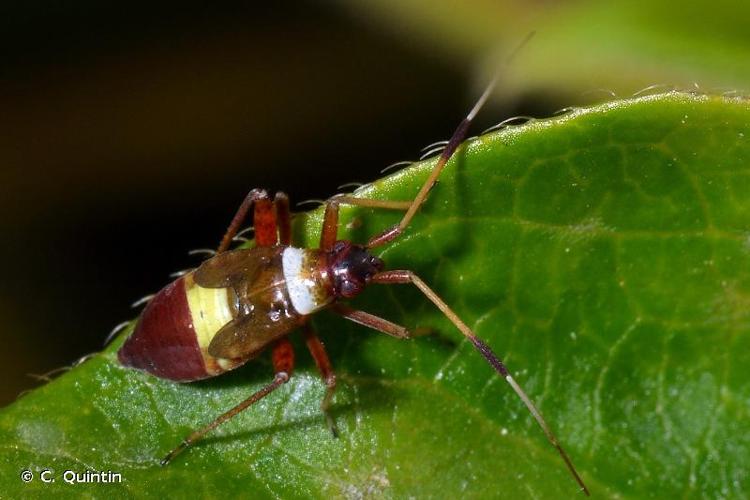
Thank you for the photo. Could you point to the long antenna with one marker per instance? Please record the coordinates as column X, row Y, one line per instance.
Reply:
column 455, row 141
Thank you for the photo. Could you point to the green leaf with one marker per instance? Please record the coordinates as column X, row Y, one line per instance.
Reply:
column 582, row 45
column 603, row 254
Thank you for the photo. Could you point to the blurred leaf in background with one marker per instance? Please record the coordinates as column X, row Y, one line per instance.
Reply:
column 583, row 45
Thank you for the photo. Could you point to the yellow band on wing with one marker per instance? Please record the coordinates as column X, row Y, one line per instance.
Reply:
column 210, row 310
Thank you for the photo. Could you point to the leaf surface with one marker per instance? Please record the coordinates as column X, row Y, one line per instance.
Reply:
column 603, row 254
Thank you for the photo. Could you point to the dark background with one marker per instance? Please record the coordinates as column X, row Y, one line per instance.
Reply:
column 130, row 133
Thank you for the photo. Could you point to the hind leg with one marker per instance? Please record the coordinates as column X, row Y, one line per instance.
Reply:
column 263, row 212
column 319, row 354
column 266, row 215
column 283, row 364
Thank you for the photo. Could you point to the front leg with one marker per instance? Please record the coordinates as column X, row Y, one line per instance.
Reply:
column 331, row 217
column 371, row 321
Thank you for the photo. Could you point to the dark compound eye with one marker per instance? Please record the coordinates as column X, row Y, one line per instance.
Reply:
column 350, row 288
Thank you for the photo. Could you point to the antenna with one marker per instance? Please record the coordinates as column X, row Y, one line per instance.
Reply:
column 403, row 277
column 453, row 143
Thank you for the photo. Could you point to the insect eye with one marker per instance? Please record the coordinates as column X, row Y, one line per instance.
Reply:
column 350, row 289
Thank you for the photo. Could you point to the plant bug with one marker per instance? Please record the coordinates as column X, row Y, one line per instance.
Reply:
column 240, row 302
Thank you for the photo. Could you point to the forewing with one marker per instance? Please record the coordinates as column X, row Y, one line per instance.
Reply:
column 246, row 336
column 228, row 268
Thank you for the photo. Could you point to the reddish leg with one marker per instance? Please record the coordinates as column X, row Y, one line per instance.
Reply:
column 370, row 320
column 319, row 354
column 331, row 217
column 265, row 215
column 264, row 223
column 282, row 356
column 330, row 225
column 239, row 217
column 283, row 364
column 283, row 218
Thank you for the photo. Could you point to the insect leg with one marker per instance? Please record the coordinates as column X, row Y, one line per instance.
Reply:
column 403, row 277
column 282, row 356
column 252, row 197
column 371, row 321
column 330, row 225
column 319, row 354
column 283, row 218
column 283, row 364
column 264, row 222
column 331, row 218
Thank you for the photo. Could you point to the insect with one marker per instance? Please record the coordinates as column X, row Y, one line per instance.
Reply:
column 240, row 302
